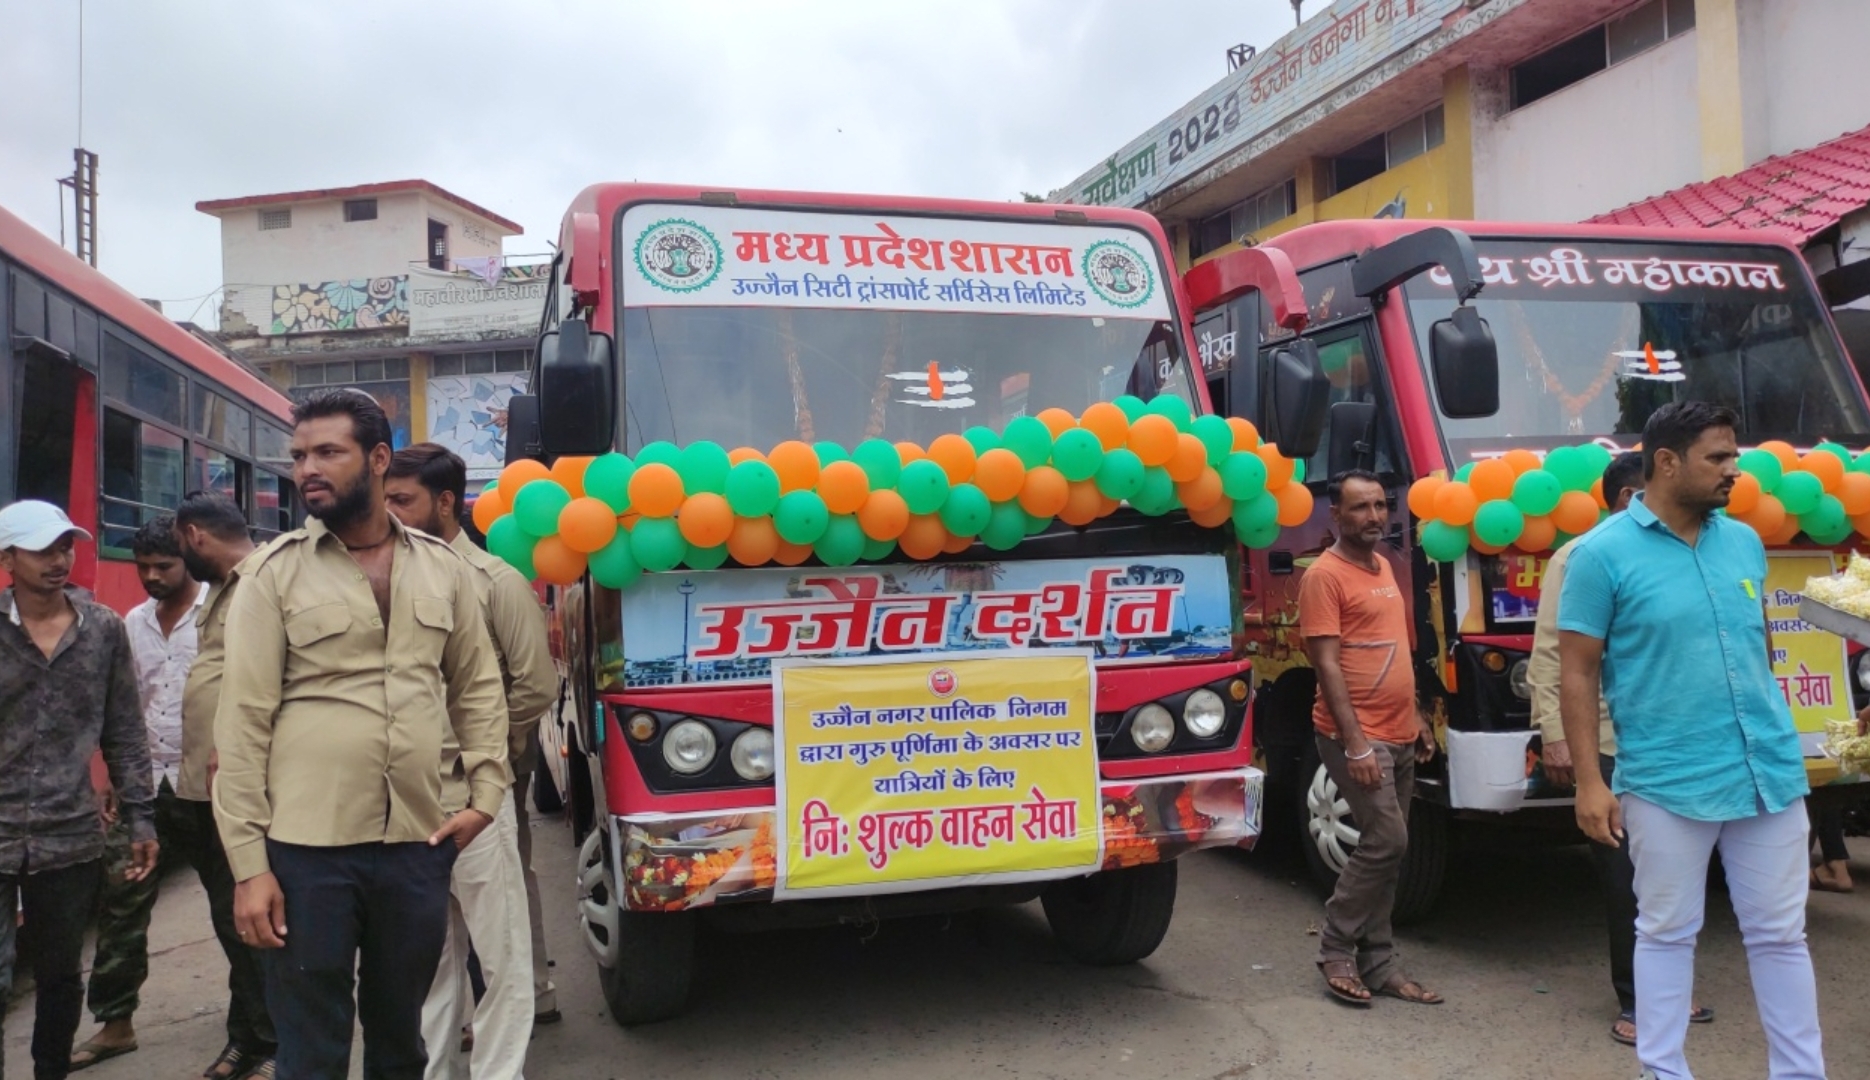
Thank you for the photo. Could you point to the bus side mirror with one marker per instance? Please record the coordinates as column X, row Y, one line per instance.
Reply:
column 1353, row 437
column 522, row 428
column 1466, row 365
column 1294, row 394
column 577, row 391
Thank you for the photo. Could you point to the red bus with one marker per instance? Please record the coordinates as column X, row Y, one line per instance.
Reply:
column 890, row 332
column 1592, row 329
column 113, row 412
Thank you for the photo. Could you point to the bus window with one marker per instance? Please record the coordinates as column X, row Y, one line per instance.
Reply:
column 218, row 419
column 142, row 382
column 272, row 504
column 143, row 476
column 215, row 471
column 48, row 411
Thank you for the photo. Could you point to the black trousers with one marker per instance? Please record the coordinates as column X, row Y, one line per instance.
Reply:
column 249, row 1027
column 365, row 926
column 1617, row 874
column 57, row 905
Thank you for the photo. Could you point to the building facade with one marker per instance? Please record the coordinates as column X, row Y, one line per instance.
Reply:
column 400, row 289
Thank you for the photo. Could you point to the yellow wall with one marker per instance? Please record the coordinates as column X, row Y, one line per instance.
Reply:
column 1422, row 183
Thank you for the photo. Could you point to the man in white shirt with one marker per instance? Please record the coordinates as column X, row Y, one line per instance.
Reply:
column 162, row 643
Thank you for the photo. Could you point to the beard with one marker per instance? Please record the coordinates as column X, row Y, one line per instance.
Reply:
column 348, row 506
column 160, row 590
column 199, row 568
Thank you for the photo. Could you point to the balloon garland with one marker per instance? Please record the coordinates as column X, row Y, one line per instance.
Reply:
column 700, row 505
column 1518, row 500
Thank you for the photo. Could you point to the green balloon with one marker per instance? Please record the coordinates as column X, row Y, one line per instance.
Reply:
column 1132, row 406
column 829, row 452
column 1461, row 474
column 536, row 507
column 982, row 439
column 703, row 467
column 1765, row 468
column 877, row 550
column 1157, row 495
column 800, row 517
column 1498, row 522
column 843, row 541
column 1799, row 491
column 1861, row 463
column 1836, row 451
column 752, row 488
column 1076, row 454
column 1298, row 471
column 710, row 558
column 614, row 565
column 923, row 486
column 1036, row 524
column 608, row 478
column 966, row 510
column 1006, row 526
column 1826, row 523
column 512, row 543
column 1571, row 467
column 880, row 462
column 1028, row 437
column 1259, row 538
column 1596, row 459
column 660, row 453
column 1537, row 492
column 1256, row 513
column 1243, row 475
column 657, row 544
column 1173, row 407
column 1121, row 474
column 1216, row 437
column 1443, row 542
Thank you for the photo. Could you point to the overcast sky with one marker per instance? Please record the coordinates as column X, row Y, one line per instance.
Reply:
column 518, row 105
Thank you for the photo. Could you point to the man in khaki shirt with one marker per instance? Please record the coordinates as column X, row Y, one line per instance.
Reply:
column 361, row 644
column 425, row 489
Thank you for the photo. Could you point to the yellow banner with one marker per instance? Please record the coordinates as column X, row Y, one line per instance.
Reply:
column 943, row 770
column 1809, row 663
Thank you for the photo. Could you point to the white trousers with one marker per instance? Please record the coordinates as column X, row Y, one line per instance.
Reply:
column 1766, row 858
column 488, row 911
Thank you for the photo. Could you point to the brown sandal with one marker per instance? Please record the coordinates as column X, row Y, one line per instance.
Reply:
column 1403, row 988
column 1344, row 982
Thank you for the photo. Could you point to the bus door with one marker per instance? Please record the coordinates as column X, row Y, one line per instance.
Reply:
column 48, row 396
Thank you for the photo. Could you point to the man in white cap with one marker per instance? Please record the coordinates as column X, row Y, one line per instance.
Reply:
column 67, row 686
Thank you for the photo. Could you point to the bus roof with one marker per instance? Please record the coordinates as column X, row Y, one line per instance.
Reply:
column 36, row 251
column 1326, row 241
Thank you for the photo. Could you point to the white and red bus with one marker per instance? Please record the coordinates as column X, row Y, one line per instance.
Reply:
column 114, row 412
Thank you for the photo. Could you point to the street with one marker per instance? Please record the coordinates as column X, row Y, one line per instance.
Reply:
column 1517, row 947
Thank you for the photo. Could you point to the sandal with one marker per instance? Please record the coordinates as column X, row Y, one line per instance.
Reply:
column 1616, row 1029
column 1403, row 988
column 1344, row 983
column 235, row 1060
column 98, row 1051
column 1701, row 1014
column 265, row 1070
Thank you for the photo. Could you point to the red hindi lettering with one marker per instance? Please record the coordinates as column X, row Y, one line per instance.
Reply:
column 752, row 247
column 720, row 630
column 823, row 832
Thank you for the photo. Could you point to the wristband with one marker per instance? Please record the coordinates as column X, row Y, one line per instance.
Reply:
column 1368, row 750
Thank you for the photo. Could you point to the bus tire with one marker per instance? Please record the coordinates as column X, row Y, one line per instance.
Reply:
column 545, row 794
column 1331, row 836
column 655, row 967
column 1113, row 916
column 1425, row 864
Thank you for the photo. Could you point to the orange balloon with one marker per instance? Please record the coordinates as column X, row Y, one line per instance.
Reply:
column 491, row 504
column 1000, row 473
column 884, row 515
column 555, row 562
column 1082, row 503
column 1853, row 492
column 1246, row 436
column 655, row 490
column 705, row 520
column 1456, row 503
column 628, row 519
column 909, row 452
column 792, row 554
column 1295, row 505
column 955, row 545
column 1107, row 505
column 1575, row 513
column 1862, row 524
column 1826, row 467
column 923, row 537
column 753, row 541
column 1204, row 490
column 796, row 463
column 1537, row 536
column 1152, row 438
column 1788, row 531
column 587, row 524
column 844, row 486
column 1597, row 494
column 1422, row 496
column 1788, row 457
column 1189, row 459
column 1768, row 516
column 569, row 472
column 1045, row 492
column 1521, row 461
column 1107, row 422
column 1057, row 421
column 1279, row 468
column 744, row 453
column 522, row 472
column 1485, row 548
column 1492, row 479
column 1214, row 516
column 1746, row 494
column 955, row 455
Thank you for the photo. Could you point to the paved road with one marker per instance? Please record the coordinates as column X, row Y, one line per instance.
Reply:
column 1232, row 993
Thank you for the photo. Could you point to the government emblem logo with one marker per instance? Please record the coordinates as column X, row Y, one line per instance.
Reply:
column 1118, row 274
column 678, row 255
column 942, row 682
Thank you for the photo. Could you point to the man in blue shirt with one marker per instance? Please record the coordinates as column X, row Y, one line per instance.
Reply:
column 1662, row 611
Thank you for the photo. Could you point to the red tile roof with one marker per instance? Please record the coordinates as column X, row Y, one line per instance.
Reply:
column 219, row 206
column 1800, row 194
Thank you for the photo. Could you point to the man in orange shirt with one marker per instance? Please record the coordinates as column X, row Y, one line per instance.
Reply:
column 1370, row 735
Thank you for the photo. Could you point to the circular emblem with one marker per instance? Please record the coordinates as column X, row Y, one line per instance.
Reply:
column 1118, row 274
column 678, row 255
column 942, row 682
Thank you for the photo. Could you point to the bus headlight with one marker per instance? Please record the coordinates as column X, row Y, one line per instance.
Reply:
column 1863, row 669
column 752, row 754
column 689, row 747
column 1516, row 678
column 1203, row 714
column 1152, row 728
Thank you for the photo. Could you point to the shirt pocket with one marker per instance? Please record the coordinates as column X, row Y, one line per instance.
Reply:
column 435, row 620
column 314, row 624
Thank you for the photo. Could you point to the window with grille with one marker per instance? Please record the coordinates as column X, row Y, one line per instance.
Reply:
column 276, row 219
column 1576, row 59
column 360, row 210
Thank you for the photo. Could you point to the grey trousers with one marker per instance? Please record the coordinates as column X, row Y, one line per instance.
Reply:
column 1357, row 917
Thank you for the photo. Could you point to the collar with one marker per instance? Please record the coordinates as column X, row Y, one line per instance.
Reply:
column 1642, row 514
column 73, row 594
column 147, row 609
column 317, row 530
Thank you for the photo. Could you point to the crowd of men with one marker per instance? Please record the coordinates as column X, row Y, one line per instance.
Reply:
column 335, row 730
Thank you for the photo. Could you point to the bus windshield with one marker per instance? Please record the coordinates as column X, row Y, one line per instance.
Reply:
column 1595, row 336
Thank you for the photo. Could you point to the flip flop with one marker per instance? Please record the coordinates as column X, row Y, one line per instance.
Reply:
column 1398, row 987
column 1345, row 971
column 98, row 1052
column 1701, row 1014
column 1618, row 1036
